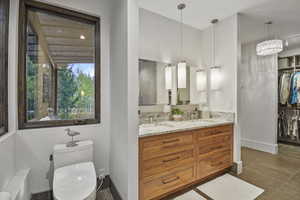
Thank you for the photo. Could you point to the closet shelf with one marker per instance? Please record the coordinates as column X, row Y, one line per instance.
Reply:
column 288, row 140
column 289, row 68
column 289, row 108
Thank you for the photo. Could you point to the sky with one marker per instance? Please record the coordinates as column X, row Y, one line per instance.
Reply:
column 86, row 68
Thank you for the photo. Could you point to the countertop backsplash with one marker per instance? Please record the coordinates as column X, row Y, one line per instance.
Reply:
column 156, row 113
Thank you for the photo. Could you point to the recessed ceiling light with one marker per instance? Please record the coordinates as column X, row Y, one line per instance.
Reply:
column 82, row 37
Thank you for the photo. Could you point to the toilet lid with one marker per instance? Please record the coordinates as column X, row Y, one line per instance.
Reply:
column 74, row 182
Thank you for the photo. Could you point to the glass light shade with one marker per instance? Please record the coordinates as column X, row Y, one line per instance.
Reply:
column 168, row 77
column 181, row 71
column 201, row 80
column 269, row 47
column 215, row 78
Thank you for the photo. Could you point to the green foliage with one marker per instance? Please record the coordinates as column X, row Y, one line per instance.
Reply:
column 31, row 86
column 66, row 92
column 176, row 111
column 75, row 91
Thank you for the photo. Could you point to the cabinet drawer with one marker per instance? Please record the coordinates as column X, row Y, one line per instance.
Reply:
column 166, row 164
column 214, row 143
column 214, row 131
column 166, row 144
column 212, row 163
column 165, row 184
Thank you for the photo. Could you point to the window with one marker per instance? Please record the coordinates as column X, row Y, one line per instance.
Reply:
column 4, row 9
column 59, row 67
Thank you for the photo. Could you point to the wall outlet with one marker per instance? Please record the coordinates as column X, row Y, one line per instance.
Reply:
column 101, row 173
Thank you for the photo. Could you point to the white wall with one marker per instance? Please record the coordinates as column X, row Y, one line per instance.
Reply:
column 33, row 147
column 7, row 142
column 290, row 52
column 160, row 41
column 226, row 49
column 257, row 92
column 7, row 157
column 226, row 56
column 124, row 98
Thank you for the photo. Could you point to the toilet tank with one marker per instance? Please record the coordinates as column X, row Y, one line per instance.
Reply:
column 63, row 155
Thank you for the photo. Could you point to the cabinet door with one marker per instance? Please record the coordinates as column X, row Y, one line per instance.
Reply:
column 214, row 143
column 166, row 144
column 212, row 163
column 167, row 164
column 168, row 183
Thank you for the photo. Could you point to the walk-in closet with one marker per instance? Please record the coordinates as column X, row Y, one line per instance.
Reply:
column 289, row 99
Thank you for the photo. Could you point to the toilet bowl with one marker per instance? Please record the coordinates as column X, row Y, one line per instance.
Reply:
column 74, row 172
column 75, row 182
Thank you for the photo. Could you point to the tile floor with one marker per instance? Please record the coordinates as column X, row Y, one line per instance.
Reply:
column 278, row 175
column 104, row 195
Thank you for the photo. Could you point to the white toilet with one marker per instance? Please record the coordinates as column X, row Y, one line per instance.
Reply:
column 74, row 172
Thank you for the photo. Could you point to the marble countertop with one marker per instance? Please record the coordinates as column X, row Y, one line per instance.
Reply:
column 146, row 130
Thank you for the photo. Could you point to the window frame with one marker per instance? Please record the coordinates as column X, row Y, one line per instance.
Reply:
column 22, row 108
column 4, row 64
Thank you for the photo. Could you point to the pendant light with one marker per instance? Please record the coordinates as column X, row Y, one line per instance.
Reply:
column 201, row 80
column 168, row 77
column 215, row 71
column 271, row 46
column 182, row 65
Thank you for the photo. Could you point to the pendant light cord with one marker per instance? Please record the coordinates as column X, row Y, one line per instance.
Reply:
column 181, row 35
column 213, row 45
column 214, row 22
column 180, row 7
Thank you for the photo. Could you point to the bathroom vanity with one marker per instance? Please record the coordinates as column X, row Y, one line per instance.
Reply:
column 175, row 155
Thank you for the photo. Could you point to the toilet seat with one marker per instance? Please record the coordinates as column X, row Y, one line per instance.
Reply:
column 75, row 182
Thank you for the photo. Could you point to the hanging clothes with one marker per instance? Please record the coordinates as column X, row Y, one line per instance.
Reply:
column 284, row 92
column 295, row 88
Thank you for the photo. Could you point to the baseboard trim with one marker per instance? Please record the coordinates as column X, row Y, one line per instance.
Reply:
column 237, row 167
column 114, row 191
column 261, row 146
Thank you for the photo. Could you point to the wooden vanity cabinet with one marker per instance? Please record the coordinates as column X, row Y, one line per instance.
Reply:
column 169, row 162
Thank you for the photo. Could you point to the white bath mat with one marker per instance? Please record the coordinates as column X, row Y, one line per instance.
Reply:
column 228, row 187
column 191, row 195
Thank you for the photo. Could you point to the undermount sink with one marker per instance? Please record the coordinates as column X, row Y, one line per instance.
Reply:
column 174, row 126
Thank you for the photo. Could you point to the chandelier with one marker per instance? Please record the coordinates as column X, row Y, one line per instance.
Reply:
column 269, row 47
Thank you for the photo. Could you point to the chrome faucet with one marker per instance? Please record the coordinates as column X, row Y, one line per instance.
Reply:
column 72, row 134
column 150, row 119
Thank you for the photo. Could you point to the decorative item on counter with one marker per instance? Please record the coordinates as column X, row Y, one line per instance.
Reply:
column 177, row 114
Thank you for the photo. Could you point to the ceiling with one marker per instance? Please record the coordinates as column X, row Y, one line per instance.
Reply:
column 59, row 39
column 199, row 13
column 285, row 17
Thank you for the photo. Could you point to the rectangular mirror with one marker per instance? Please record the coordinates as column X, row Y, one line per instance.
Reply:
column 159, row 84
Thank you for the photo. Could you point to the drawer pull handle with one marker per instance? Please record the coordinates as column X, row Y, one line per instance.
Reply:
column 170, row 141
column 171, row 180
column 216, row 132
column 172, row 159
column 217, row 147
